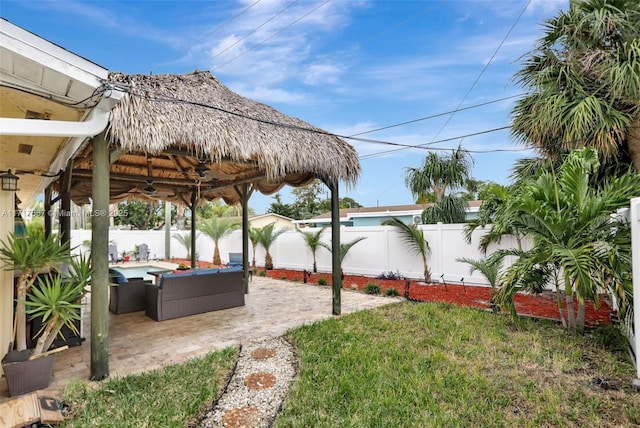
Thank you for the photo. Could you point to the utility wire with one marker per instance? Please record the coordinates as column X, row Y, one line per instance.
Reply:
column 273, row 35
column 395, row 125
column 483, row 70
column 254, row 30
column 215, row 29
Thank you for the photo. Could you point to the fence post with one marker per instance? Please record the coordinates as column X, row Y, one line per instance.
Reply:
column 635, row 256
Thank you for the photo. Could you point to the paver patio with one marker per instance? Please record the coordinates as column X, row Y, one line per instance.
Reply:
column 137, row 343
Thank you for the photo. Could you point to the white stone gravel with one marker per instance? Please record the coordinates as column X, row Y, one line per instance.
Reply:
column 283, row 365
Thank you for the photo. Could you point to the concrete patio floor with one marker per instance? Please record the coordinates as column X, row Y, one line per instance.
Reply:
column 138, row 343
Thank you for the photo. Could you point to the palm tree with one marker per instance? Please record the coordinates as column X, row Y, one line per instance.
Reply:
column 583, row 83
column 450, row 209
column 312, row 239
column 267, row 237
column 414, row 238
column 495, row 211
column 344, row 248
column 489, row 268
column 438, row 174
column 574, row 234
column 216, row 229
column 185, row 241
column 254, row 238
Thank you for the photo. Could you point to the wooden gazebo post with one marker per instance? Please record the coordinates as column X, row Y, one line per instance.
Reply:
column 100, row 259
column 193, row 206
column 335, row 249
column 245, row 193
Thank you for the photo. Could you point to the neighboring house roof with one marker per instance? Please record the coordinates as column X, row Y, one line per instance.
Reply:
column 347, row 214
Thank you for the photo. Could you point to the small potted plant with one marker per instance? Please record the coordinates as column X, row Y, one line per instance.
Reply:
column 42, row 290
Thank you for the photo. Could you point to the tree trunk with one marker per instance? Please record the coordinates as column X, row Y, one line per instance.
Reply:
column 20, row 320
column 571, row 315
column 315, row 266
column 581, row 317
column 427, row 271
column 560, row 307
column 268, row 262
column 633, row 142
column 216, row 256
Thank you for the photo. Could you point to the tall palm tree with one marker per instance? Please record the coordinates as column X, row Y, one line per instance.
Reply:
column 185, row 241
column 583, row 83
column 312, row 239
column 438, row 173
column 344, row 248
column 254, row 238
column 268, row 235
column 573, row 234
column 216, row 229
column 414, row 239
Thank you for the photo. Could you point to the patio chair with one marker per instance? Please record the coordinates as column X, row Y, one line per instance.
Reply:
column 114, row 256
column 235, row 259
column 143, row 253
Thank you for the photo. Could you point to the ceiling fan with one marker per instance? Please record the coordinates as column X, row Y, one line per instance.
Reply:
column 150, row 190
column 206, row 174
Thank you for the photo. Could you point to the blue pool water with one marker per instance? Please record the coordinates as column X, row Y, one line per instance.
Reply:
column 136, row 271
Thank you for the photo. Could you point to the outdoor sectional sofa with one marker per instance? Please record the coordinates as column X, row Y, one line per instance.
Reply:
column 194, row 292
column 126, row 294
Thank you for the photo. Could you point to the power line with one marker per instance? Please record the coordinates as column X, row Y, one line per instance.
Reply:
column 395, row 125
column 274, row 34
column 216, row 29
column 254, row 30
column 483, row 69
column 401, row 146
column 424, row 146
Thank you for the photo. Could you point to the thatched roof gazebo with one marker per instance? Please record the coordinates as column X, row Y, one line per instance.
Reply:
column 188, row 138
column 171, row 134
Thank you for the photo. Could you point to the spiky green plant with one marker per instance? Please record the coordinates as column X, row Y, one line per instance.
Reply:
column 29, row 256
column 216, row 229
column 414, row 239
column 268, row 235
column 312, row 239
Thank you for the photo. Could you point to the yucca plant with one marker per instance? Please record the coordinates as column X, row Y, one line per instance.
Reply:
column 29, row 256
column 58, row 300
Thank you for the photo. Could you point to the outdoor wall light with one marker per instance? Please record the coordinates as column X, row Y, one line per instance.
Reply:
column 9, row 181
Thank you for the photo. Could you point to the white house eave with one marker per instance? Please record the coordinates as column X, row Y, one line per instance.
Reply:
column 50, row 55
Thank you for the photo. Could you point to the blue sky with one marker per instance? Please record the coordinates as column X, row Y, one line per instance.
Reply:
column 347, row 66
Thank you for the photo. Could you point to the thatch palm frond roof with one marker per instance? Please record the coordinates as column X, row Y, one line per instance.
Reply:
column 180, row 132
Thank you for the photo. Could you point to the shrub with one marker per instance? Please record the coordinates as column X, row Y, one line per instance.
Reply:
column 372, row 288
column 391, row 292
column 262, row 273
column 322, row 281
column 284, row 277
column 390, row 275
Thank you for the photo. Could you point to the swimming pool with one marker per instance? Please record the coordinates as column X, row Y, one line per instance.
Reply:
column 136, row 271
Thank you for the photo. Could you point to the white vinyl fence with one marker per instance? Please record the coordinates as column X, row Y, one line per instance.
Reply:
column 635, row 254
column 383, row 250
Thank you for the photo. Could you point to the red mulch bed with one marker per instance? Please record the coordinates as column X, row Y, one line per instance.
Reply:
column 540, row 306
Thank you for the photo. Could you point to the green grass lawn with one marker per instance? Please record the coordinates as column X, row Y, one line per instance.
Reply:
column 425, row 365
column 402, row 365
column 171, row 397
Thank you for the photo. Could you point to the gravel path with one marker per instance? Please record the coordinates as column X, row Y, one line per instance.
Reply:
column 257, row 388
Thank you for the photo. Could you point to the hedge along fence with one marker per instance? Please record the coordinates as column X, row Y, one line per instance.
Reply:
column 383, row 250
